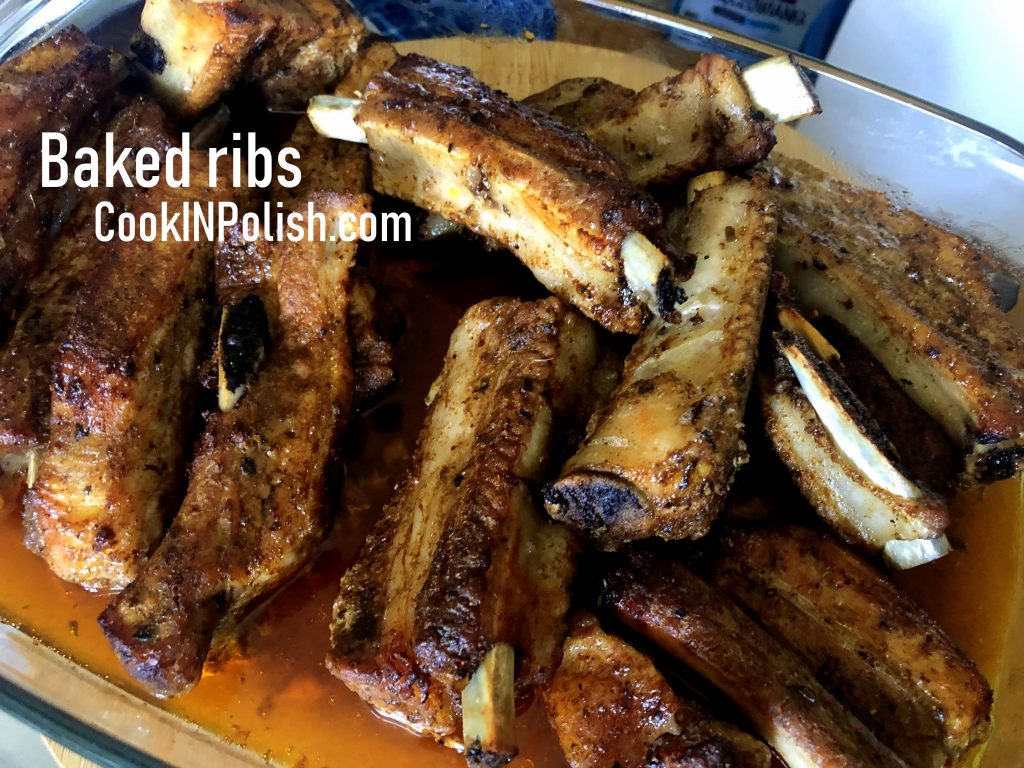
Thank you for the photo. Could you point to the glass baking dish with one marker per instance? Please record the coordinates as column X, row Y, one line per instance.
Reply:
column 963, row 174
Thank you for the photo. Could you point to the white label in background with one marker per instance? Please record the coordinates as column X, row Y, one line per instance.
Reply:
column 783, row 22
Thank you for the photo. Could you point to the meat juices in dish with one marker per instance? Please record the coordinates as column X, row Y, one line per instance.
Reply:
column 124, row 383
column 917, row 298
column 461, row 565
column 659, row 457
column 256, row 505
column 196, row 51
column 64, row 84
column 610, row 707
column 442, row 140
column 843, row 463
column 26, row 360
column 880, row 654
column 768, row 681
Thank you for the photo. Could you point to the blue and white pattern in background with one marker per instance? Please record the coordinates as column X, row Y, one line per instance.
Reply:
column 418, row 19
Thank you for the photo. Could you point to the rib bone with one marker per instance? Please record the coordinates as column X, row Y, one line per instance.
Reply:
column 872, row 647
column 805, row 724
column 660, row 456
column 916, row 297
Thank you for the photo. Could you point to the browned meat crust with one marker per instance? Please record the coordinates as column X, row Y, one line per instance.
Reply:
column 26, row 361
column 461, row 560
column 697, row 121
column 62, row 84
column 581, row 101
column 773, row 687
column 660, row 457
column 375, row 327
column 446, row 142
column 195, row 52
column 256, row 502
column 880, row 654
column 610, row 706
column 123, row 386
column 916, row 297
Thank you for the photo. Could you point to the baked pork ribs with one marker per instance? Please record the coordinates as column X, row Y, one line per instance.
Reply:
column 26, row 360
column 446, row 142
column 63, row 84
column 456, row 605
column 880, row 654
column 839, row 456
column 660, row 456
column 256, row 505
column 711, row 117
column 917, row 298
column 611, row 708
column 773, row 686
column 124, row 383
column 195, row 51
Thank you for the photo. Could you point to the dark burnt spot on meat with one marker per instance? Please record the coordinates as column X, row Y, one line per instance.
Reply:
column 105, row 537
column 149, row 54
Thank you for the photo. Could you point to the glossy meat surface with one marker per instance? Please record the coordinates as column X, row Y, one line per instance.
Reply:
column 610, row 706
column 880, row 654
column 770, row 683
column 26, row 360
column 446, row 142
column 123, row 387
column 195, row 52
column 65, row 84
column 916, row 297
column 659, row 457
column 698, row 121
column 461, row 560
column 256, row 505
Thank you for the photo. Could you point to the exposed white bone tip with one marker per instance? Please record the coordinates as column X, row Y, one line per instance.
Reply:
column 902, row 555
column 779, row 88
column 334, row 117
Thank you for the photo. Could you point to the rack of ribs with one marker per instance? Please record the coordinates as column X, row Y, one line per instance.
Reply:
column 773, row 686
column 124, row 382
column 256, row 505
column 880, row 654
column 64, row 84
column 456, row 604
column 195, row 51
column 610, row 706
column 917, row 298
column 659, row 457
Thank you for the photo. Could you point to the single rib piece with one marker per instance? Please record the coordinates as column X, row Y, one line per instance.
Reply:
column 917, row 298
column 839, row 457
column 195, row 51
column 256, row 503
column 791, row 710
column 446, row 142
column 659, row 458
column 610, row 706
column 123, row 385
column 26, row 361
column 62, row 84
column 698, row 121
column 701, row 120
column 461, row 562
column 880, row 654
